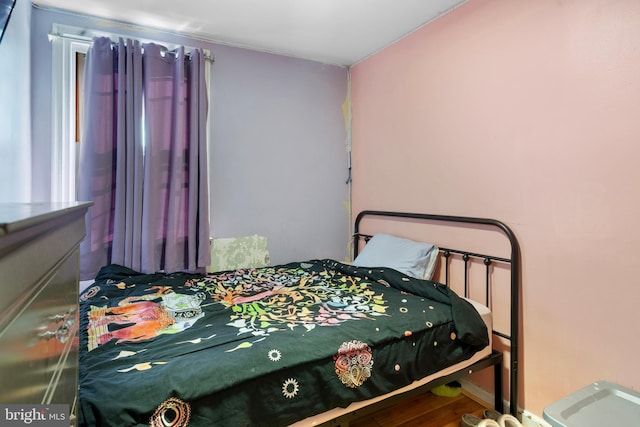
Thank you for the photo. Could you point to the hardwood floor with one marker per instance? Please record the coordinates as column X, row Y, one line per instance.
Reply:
column 425, row 410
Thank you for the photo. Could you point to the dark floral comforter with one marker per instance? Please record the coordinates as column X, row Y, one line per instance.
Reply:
column 265, row 346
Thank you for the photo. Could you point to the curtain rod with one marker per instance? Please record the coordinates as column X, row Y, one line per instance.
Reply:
column 86, row 39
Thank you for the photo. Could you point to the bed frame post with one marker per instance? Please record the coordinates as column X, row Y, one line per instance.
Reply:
column 497, row 393
column 514, row 260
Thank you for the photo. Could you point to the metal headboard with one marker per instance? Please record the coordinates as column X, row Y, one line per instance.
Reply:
column 466, row 256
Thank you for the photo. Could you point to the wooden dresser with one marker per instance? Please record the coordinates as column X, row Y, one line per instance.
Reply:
column 39, row 255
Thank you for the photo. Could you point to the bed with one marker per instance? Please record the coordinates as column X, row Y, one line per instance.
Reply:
column 305, row 343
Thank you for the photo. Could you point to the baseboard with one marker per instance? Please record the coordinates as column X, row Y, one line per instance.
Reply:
column 478, row 394
column 484, row 397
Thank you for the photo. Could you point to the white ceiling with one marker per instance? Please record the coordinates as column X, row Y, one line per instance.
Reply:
column 341, row 32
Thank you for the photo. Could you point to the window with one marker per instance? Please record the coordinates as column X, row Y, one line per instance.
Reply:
column 69, row 49
column 67, row 64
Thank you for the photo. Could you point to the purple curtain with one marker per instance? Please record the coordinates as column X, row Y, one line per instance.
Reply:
column 143, row 158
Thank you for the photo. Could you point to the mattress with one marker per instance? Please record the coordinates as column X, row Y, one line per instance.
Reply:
column 264, row 346
column 487, row 318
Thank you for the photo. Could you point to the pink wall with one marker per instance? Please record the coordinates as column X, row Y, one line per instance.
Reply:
column 528, row 112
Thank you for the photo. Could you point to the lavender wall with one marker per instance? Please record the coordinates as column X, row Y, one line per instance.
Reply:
column 14, row 107
column 279, row 150
column 278, row 158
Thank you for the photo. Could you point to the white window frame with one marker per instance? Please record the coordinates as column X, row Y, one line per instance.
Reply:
column 67, row 41
column 63, row 124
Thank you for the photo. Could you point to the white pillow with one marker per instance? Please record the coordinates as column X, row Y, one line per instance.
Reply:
column 406, row 256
